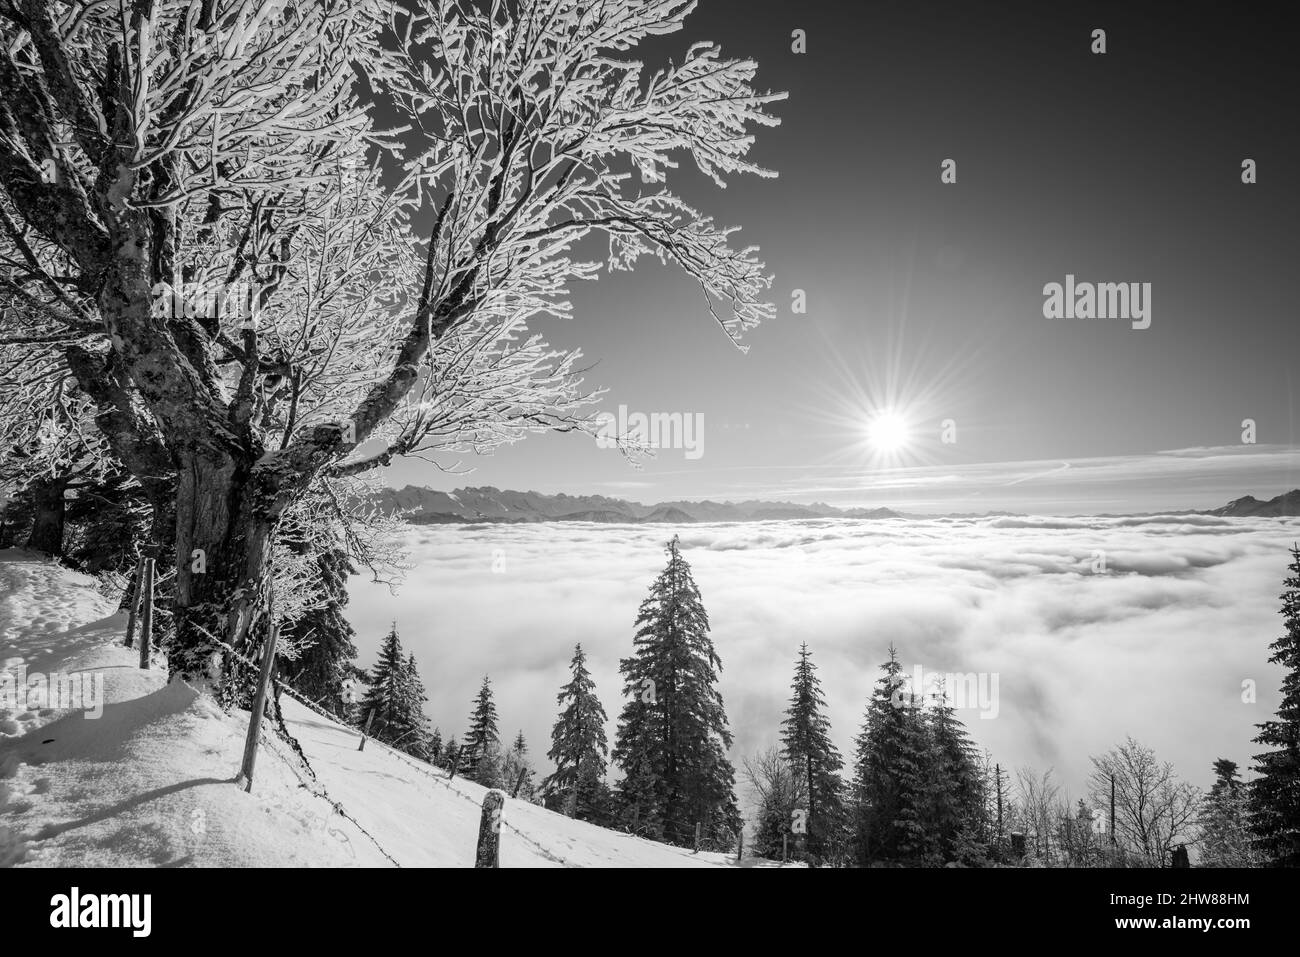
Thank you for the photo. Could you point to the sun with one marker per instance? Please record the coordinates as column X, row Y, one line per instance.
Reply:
column 887, row 432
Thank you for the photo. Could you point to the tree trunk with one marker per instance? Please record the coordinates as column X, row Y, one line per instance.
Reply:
column 811, row 844
column 47, row 524
column 223, row 544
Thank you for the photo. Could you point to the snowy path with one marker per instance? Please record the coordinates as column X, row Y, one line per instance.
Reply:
column 151, row 782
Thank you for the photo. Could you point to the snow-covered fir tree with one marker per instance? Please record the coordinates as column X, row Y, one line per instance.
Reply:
column 954, row 787
column 396, row 696
column 579, row 748
column 414, row 698
column 517, row 770
column 325, row 637
column 1275, row 793
column 806, row 746
column 673, row 736
column 887, row 767
column 1225, row 838
column 480, row 751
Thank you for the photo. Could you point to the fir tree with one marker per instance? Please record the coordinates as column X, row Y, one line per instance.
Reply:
column 1225, row 838
column 385, row 694
column 397, row 697
column 322, row 668
column 1275, row 793
column 415, row 737
column 887, row 770
column 517, row 771
column 954, row 793
column 807, row 747
column 435, row 752
column 579, row 748
column 483, row 737
column 673, row 735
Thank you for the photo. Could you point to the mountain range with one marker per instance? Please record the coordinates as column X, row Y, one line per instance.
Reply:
column 1288, row 503
column 426, row 506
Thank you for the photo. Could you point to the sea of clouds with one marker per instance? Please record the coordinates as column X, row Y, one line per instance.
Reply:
column 1156, row 646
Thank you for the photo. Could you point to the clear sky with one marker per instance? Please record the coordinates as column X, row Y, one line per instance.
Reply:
column 926, row 298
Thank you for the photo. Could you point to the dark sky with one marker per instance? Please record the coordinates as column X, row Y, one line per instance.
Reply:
column 928, row 298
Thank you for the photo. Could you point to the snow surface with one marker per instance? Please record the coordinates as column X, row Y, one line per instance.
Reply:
column 151, row 782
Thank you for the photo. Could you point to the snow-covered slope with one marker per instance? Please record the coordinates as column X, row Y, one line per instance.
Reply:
column 151, row 781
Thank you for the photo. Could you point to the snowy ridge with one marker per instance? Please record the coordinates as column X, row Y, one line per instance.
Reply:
column 151, row 782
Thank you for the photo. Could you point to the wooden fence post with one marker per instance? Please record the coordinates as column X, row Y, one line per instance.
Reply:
column 146, row 614
column 785, row 847
column 134, row 600
column 488, row 852
column 697, row 838
column 370, row 717
column 740, row 844
column 519, row 782
column 245, row 779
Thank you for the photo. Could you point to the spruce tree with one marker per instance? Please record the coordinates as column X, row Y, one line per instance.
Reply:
column 807, row 747
column 1275, row 793
column 415, row 733
column 435, row 752
column 322, row 668
column 955, row 790
column 517, row 770
column 385, row 694
column 579, row 748
column 890, row 754
column 482, row 738
column 396, row 695
column 673, row 735
column 1225, row 838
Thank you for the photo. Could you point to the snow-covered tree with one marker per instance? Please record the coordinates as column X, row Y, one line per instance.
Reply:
column 1036, row 812
column 517, row 770
column 480, row 755
column 1275, row 793
column 780, row 793
column 955, row 791
column 278, row 241
column 396, row 696
column 1081, row 841
column 1225, row 838
column 673, row 735
column 806, row 745
column 890, row 749
column 1154, row 810
column 323, row 637
column 579, row 748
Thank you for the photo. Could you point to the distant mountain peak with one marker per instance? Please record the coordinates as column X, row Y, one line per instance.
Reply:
column 426, row 506
column 1288, row 503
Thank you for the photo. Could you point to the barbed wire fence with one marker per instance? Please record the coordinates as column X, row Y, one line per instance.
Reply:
column 319, row 790
column 151, row 654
